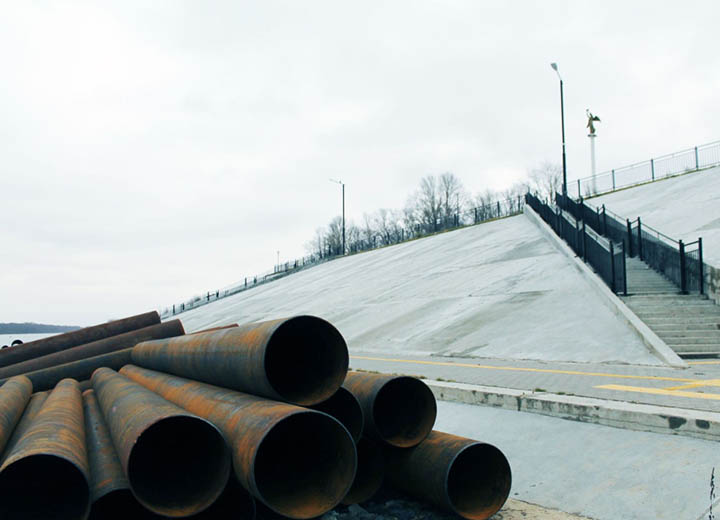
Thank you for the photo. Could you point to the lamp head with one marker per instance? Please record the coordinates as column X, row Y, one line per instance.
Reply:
column 554, row 66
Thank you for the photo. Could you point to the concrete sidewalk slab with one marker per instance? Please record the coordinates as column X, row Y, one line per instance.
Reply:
column 618, row 414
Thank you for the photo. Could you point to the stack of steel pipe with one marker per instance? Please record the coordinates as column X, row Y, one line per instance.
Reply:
column 212, row 423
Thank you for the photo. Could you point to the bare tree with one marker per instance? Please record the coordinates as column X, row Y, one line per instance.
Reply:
column 452, row 193
column 485, row 205
column 333, row 236
column 545, row 180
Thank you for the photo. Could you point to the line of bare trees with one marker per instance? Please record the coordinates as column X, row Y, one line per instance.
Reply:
column 438, row 203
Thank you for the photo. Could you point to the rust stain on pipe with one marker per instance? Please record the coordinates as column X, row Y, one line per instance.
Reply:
column 398, row 410
column 468, row 477
column 301, row 360
column 370, row 472
column 177, row 463
column 14, row 397
column 42, row 347
column 45, row 474
column 110, row 493
column 298, row 462
column 213, row 329
column 96, row 348
column 344, row 406
column 47, row 378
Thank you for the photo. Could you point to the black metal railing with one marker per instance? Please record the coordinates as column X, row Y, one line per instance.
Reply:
column 680, row 262
column 605, row 257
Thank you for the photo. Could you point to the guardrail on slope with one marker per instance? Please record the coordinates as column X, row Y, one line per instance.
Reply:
column 654, row 169
column 679, row 261
column 606, row 257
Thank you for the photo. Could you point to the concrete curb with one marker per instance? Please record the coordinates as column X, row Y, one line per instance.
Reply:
column 651, row 340
column 619, row 414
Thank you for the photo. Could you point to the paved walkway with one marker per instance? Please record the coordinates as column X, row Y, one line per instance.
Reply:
column 696, row 388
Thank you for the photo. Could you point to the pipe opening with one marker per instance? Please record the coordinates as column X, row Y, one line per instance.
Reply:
column 235, row 503
column 305, row 465
column 37, row 485
column 345, row 408
column 306, row 360
column 370, row 473
column 478, row 481
column 120, row 504
column 404, row 411
column 179, row 466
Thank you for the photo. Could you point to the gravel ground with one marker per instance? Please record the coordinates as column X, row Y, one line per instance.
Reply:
column 403, row 509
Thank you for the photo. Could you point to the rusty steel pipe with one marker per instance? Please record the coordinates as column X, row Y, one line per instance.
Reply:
column 14, row 397
column 213, row 329
column 47, row 378
column 33, row 407
column 298, row 462
column 42, row 347
column 110, row 493
column 301, row 360
column 462, row 475
column 96, row 348
column 344, row 407
column 45, row 474
column 370, row 472
column 398, row 410
column 177, row 463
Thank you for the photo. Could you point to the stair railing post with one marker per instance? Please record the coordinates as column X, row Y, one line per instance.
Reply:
column 701, row 267
column 613, row 179
column 683, row 274
column 584, row 242
column 629, row 237
column 612, row 267
column 624, row 269
column 579, row 193
column 697, row 161
column 640, row 251
column 604, row 221
column 652, row 169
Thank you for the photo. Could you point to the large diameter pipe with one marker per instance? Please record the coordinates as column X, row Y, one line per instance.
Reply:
column 344, row 407
column 168, row 329
column 33, row 407
column 177, row 463
column 42, row 347
column 110, row 493
column 370, row 472
column 467, row 477
column 398, row 410
column 301, row 360
column 299, row 462
column 213, row 329
column 14, row 397
column 45, row 474
column 81, row 370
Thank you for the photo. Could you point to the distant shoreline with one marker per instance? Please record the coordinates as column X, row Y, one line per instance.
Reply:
column 33, row 328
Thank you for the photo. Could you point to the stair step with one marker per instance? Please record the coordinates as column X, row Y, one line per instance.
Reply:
column 688, row 333
column 660, row 326
column 692, row 341
column 696, row 349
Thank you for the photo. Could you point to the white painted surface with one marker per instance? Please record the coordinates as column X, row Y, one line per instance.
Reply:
column 499, row 290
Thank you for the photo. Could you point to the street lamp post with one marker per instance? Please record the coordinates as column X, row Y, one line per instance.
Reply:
column 562, row 120
column 343, row 211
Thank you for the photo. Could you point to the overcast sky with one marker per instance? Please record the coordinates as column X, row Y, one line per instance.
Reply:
column 150, row 151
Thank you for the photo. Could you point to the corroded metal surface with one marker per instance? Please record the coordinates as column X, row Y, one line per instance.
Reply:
column 462, row 475
column 42, row 347
column 123, row 341
column 213, row 329
column 370, row 472
column 299, row 462
column 33, row 407
column 81, row 370
column 45, row 473
column 301, row 360
column 344, row 406
column 107, row 479
column 398, row 410
column 14, row 397
column 177, row 463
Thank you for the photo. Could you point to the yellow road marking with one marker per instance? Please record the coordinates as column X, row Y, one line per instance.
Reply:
column 527, row 369
column 697, row 384
column 703, row 362
column 660, row 391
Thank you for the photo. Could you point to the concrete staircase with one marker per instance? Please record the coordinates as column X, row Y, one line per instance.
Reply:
column 688, row 323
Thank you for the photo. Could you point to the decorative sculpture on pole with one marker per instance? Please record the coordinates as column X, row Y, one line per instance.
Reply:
column 591, row 121
column 592, row 135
